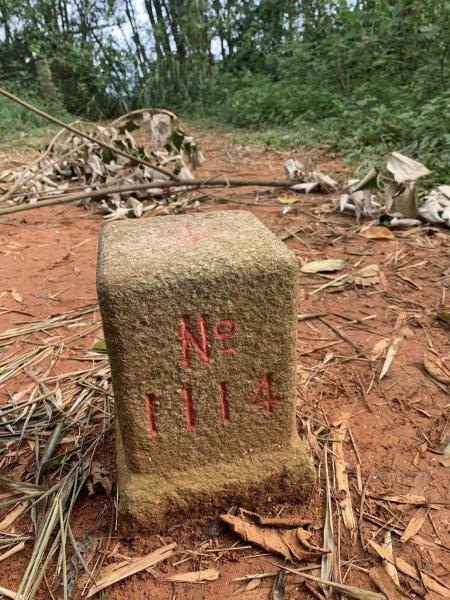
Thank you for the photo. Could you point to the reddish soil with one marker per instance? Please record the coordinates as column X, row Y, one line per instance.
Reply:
column 398, row 425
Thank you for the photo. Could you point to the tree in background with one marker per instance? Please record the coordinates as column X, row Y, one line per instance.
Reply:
column 349, row 72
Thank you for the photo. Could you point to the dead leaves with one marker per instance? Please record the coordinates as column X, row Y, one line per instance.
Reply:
column 99, row 479
column 282, row 521
column 395, row 343
column 415, row 524
column 391, row 343
column 291, row 543
column 17, row 297
column 377, row 233
column 391, row 193
column 347, row 590
column 284, row 536
column 367, row 276
column 323, row 266
column 342, row 483
column 423, row 447
column 114, row 573
column 436, row 206
column 405, row 169
column 378, row 349
column 194, row 576
column 327, row 562
column 364, row 277
column 307, row 178
column 434, row 583
column 70, row 158
column 389, row 564
column 436, row 367
column 385, row 584
column 268, row 538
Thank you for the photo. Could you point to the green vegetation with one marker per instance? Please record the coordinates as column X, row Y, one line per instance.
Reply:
column 364, row 76
column 22, row 129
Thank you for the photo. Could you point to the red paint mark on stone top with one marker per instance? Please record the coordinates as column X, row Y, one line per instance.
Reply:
column 263, row 395
column 188, row 233
column 193, row 236
column 200, row 345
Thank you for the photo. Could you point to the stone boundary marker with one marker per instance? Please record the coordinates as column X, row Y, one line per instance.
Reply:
column 200, row 316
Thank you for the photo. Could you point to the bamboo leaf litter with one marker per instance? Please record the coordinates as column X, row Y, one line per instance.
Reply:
column 54, row 424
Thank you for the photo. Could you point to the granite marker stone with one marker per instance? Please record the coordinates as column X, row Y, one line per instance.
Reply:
column 200, row 317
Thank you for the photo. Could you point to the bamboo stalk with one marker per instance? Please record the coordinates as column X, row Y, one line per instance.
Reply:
column 352, row 591
column 138, row 187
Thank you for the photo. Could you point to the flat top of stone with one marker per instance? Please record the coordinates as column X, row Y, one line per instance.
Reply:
column 183, row 244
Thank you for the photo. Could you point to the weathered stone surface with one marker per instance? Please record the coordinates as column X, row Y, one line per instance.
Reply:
column 199, row 315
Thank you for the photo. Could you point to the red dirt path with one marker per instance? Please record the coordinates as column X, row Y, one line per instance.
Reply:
column 48, row 257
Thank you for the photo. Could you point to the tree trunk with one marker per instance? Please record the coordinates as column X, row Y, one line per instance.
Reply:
column 4, row 20
column 159, row 26
column 140, row 50
column 175, row 16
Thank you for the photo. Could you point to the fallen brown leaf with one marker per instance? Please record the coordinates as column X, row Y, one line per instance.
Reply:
column 304, row 536
column 389, row 565
column 436, row 586
column 348, row 590
column 99, row 478
column 267, row 537
column 377, row 233
column 194, row 576
column 9, row 519
column 399, row 334
column 440, row 587
column 286, row 542
column 294, row 544
column 340, row 467
column 253, row 585
column 17, row 297
column 283, row 522
column 436, row 367
column 378, row 349
column 415, row 524
column 421, row 451
column 135, row 566
column 384, row 281
column 385, row 584
column 327, row 562
column 406, row 499
column 369, row 275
